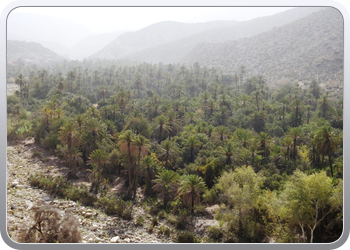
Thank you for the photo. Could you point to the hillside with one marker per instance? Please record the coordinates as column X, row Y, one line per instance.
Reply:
column 308, row 48
column 91, row 44
column 154, row 35
column 175, row 51
column 30, row 52
column 169, row 44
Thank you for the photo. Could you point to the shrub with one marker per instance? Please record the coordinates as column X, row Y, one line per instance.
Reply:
column 150, row 228
column 162, row 214
column 215, row 233
column 164, row 230
column 200, row 210
column 154, row 221
column 140, row 220
column 182, row 219
column 49, row 227
column 186, row 237
column 109, row 204
column 125, row 209
column 172, row 219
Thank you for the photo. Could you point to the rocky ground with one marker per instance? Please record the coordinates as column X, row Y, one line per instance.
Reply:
column 94, row 225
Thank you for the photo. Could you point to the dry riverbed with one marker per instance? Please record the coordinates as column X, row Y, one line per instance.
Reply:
column 94, row 225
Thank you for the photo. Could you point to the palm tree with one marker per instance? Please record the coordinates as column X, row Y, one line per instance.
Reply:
column 20, row 81
column 166, row 184
column 265, row 144
column 170, row 152
column 92, row 132
column 60, row 86
column 258, row 121
column 173, row 123
column 68, row 134
column 326, row 142
column 191, row 187
column 245, row 98
column 257, row 98
column 97, row 159
column 192, row 142
column 253, row 148
column 295, row 134
column 148, row 168
column 79, row 118
column 315, row 89
column 245, row 137
column 287, row 142
column 72, row 158
column 324, row 105
column 125, row 140
column 227, row 153
column 161, row 125
column 222, row 131
column 141, row 144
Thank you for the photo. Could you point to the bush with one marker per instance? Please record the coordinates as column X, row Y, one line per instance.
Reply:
column 154, row 221
column 109, row 205
column 49, row 227
column 215, row 233
column 164, row 230
column 124, row 209
column 140, row 220
column 186, row 237
column 182, row 219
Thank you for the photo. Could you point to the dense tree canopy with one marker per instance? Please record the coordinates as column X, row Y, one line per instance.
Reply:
column 194, row 135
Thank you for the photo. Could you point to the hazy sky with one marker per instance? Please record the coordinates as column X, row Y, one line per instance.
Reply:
column 102, row 19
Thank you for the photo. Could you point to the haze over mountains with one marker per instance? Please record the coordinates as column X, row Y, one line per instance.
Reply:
column 77, row 43
column 296, row 44
column 176, row 50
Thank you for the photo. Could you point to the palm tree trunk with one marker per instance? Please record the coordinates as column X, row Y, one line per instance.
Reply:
column 330, row 164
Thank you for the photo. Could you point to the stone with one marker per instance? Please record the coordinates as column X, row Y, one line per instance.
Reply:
column 88, row 215
column 28, row 205
column 116, row 233
column 93, row 228
column 127, row 240
column 115, row 239
column 13, row 206
column 14, row 184
column 46, row 198
column 154, row 241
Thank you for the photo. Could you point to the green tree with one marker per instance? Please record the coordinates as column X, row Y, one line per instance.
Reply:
column 191, row 188
column 166, row 185
column 296, row 134
column 240, row 188
column 68, row 134
column 162, row 126
column 327, row 141
column 141, row 144
column 148, row 168
column 97, row 160
column 125, row 141
column 307, row 200
column 192, row 142
column 170, row 152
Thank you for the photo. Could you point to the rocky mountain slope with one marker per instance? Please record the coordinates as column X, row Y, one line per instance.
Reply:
column 170, row 42
column 30, row 52
column 154, row 35
column 309, row 48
